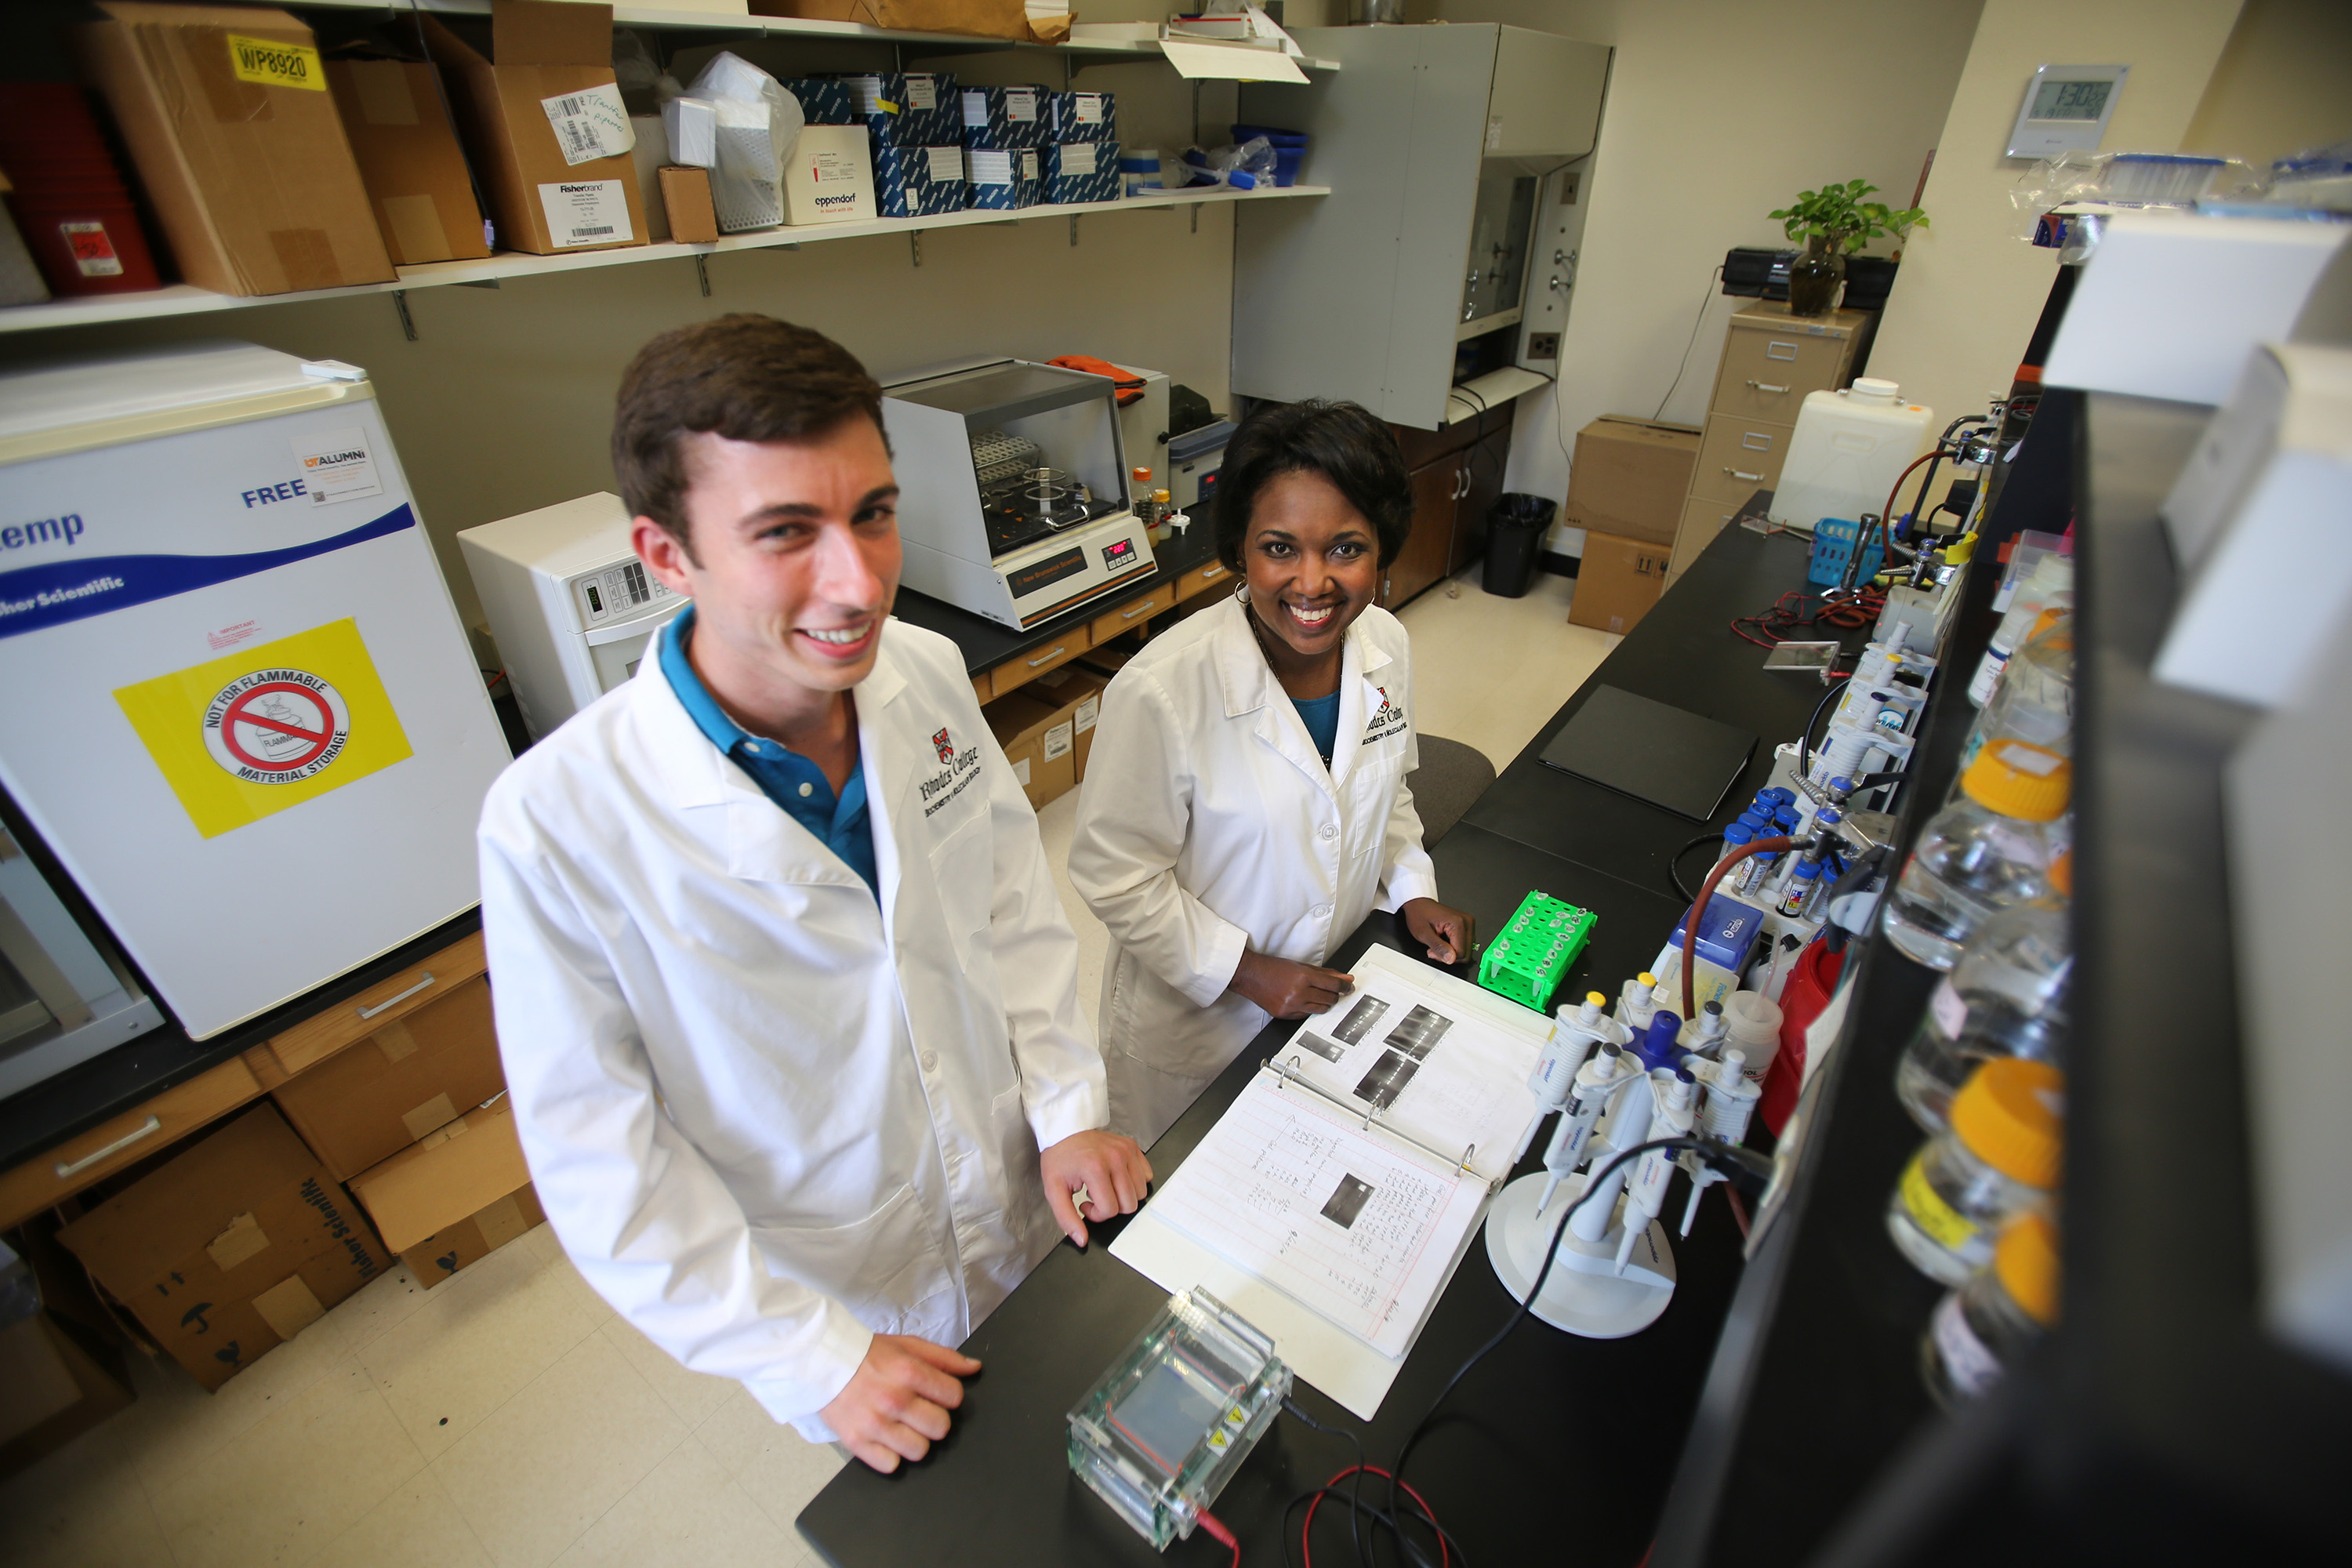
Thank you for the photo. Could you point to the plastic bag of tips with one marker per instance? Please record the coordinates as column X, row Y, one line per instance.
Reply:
column 753, row 124
column 1243, row 167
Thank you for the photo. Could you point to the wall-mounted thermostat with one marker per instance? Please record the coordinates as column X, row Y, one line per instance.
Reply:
column 2066, row 109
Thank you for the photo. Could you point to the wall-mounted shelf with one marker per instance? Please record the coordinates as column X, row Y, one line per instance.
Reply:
column 783, row 28
column 181, row 300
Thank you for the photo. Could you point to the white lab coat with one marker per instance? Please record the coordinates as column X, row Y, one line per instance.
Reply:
column 767, row 1117
column 1208, row 824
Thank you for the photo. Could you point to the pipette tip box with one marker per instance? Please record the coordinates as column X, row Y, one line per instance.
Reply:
column 1529, row 957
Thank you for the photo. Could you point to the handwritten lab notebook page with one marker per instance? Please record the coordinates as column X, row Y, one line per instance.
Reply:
column 1364, row 1233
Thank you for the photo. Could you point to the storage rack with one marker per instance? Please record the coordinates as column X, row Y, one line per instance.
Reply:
column 2160, row 1421
column 700, row 28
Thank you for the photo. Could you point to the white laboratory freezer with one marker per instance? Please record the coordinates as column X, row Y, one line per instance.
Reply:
column 235, row 700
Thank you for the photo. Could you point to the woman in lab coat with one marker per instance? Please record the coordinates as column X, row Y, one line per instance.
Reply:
column 1245, row 805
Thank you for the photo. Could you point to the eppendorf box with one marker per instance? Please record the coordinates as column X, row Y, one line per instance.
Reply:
column 543, row 120
column 829, row 177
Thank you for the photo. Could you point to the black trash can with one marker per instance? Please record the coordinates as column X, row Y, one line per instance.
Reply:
column 1515, row 526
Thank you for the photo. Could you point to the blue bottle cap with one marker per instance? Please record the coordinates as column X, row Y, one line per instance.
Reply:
column 1805, row 870
column 1736, row 835
column 1843, row 785
column 1828, row 816
column 1657, row 1048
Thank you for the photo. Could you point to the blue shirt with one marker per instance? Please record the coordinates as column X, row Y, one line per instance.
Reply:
column 783, row 776
column 1322, row 717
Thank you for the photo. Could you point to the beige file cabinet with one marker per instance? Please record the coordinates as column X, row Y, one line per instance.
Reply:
column 1770, row 360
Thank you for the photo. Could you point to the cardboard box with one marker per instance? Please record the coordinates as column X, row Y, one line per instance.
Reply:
column 1003, row 179
column 830, row 176
column 454, row 1195
column 238, row 143
column 973, row 18
column 544, row 123
column 409, row 160
column 1630, row 478
column 685, row 201
column 909, row 108
column 1040, row 739
column 55, row 1384
column 1079, row 692
column 223, row 1252
column 367, row 1102
column 1617, row 582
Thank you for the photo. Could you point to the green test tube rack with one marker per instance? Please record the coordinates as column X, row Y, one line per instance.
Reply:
column 1529, row 956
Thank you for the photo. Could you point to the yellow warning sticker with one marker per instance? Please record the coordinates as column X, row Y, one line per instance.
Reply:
column 266, row 62
column 265, row 727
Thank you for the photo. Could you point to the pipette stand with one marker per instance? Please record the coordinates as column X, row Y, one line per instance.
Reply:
column 1584, row 1293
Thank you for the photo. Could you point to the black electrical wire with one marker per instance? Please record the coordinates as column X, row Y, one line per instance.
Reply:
column 1805, row 735
column 1675, row 866
column 1592, row 1185
column 1696, row 321
column 1355, row 1490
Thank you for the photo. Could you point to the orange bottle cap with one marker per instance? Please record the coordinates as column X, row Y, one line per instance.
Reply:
column 2062, row 875
column 2025, row 1259
column 2009, row 1115
column 2029, row 783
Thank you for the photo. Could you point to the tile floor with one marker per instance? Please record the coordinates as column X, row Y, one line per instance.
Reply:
column 507, row 1419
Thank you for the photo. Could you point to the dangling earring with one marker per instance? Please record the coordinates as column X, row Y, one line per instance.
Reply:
column 1241, row 590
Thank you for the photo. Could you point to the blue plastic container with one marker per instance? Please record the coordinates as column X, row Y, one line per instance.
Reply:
column 1289, row 149
column 1834, row 539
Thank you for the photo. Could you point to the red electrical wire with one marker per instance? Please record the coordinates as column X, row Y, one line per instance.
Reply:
column 1698, row 907
column 1217, row 1531
column 1444, row 1554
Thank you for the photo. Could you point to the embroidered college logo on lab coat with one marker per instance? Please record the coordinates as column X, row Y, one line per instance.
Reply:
column 945, row 747
column 1388, row 720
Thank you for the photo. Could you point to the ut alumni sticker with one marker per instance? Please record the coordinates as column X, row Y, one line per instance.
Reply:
column 276, row 726
column 943, row 746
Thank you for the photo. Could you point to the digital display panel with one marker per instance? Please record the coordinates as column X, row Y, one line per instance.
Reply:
column 1052, row 569
column 1118, row 553
column 2061, row 99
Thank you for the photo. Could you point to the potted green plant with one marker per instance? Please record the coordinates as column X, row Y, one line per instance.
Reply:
column 1834, row 222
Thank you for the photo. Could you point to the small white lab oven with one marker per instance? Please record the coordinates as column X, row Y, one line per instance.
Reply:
column 1014, row 500
column 573, row 608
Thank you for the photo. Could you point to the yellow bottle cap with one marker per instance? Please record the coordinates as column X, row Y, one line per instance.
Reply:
column 2025, row 1259
column 2029, row 783
column 2009, row 1115
column 1597, row 999
column 1646, row 979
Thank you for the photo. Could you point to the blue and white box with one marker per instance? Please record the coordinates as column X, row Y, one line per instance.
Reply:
column 1082, row 117
column 919, row 181
column 1082, row 171
column 909, row 108
column 824, row 101
column 999, row 117
column 1004, row 178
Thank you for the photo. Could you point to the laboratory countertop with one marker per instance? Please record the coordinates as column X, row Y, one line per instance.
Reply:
column 1520, row 1449
column 1506, row 1463
column 987, row 644
column 137, row 1070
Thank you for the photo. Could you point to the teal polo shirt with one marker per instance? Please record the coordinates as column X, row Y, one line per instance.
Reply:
column 792, row 781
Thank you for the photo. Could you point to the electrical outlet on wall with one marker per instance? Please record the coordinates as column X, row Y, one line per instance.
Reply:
column 1543, row 345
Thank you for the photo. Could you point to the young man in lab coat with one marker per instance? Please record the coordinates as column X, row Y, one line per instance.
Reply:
column 786, row 996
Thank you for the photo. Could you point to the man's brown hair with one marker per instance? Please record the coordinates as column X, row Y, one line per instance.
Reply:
column 746, row 377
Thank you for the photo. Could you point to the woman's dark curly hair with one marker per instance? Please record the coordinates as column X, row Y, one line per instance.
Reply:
column 1343, row 442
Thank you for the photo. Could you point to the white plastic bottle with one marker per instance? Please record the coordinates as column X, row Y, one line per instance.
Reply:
column 1847, row 450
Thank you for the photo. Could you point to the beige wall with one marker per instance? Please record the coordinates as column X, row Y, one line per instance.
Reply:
column 2283, row 83
column 1719, row 111
column 1970, row 291
column 505, row 402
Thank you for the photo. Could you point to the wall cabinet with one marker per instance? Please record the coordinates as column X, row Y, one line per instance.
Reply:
column 1438, row 144
column 1457, row 472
